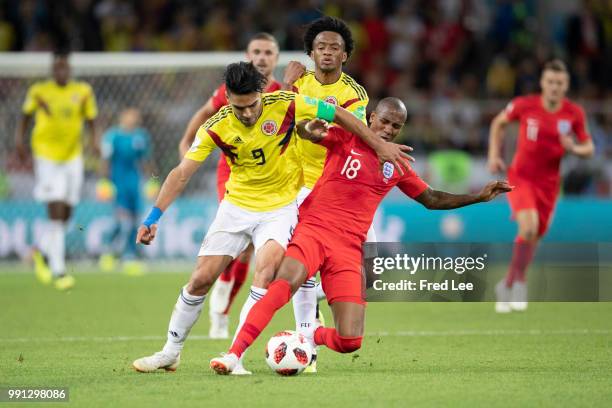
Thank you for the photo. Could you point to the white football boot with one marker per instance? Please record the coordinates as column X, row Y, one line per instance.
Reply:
column 225, row 364
column 240, row 370
column 518, row 296
column 502, row 293
column 159, row 360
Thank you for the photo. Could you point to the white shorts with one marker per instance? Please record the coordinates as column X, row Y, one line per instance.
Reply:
column 302, row 194
column 234, row 228
column 58, row 181
column 305, row 191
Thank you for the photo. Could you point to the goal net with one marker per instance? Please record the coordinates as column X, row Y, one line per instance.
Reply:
column 167, row 88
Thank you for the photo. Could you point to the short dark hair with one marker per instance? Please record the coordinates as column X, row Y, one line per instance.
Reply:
column 328, row 24
column 392, row 103
column 243, row 78
column 555, row 65
column 264, row 36
column 61, row 53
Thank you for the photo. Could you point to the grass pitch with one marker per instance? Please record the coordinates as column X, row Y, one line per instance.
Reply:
column 414, row 354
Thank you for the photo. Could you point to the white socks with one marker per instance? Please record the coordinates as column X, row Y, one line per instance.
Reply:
column 186, row 312
column 320, row 293
column 254, row 296
column 55, row 246
column 219, row 297
column 305, row 308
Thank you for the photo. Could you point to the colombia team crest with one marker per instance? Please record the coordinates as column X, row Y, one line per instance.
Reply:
column 269, row 127
column 332, row 100
column 564, row 127
column 388, row 170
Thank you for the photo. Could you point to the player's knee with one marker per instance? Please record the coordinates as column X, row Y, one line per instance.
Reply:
column 293, row 272
column 263, row 277
column 200, row 283
column 349, row 344
column 63, row 211
column 529, row 227
column 529, row 233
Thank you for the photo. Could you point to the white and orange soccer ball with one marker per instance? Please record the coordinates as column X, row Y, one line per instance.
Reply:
column 288, row 353
column 105, row 190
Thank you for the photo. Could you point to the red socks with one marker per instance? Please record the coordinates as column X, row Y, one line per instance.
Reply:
column 329, row 337
column 226, row 275
column 278, row 295
column 237, row 271
column 522, row 255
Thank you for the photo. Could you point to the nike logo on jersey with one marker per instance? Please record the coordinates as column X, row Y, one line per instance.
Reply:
column 355, row 153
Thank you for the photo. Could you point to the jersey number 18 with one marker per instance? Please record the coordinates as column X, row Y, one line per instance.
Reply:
column 351, row 167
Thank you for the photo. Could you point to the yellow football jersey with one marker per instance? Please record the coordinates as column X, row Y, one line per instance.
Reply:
column 345, row 92
column 266, row 172
column 59, row 115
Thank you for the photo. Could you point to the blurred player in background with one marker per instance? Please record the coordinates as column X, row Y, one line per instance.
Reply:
column 329, row 43
column 263, row 52
column 126, row 150
column 259, row 206
column 333, row 224
column 59, row 105
column 550, row 126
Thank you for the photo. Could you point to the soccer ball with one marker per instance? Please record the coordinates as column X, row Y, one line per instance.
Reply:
column 105, row 190
column 288, row 353
column 151, row 189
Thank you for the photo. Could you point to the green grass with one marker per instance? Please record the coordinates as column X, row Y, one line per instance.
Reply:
column 414, row 354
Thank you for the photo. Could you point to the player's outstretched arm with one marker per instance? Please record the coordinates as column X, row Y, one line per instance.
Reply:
column 173, row 186
column 496, row 138
column 441, row 200
column 198, row 118
column 386, row 151
column 95, row 135
column 584, row 150
column 20, row 133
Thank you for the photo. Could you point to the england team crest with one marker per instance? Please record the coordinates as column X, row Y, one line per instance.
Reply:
column 564, row 127
column 388, row 171
column 269, row 127
column 332, row 100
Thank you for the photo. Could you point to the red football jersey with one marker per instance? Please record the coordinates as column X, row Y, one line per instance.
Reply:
column 219, row 100
column 352, row 186
column 539, row 150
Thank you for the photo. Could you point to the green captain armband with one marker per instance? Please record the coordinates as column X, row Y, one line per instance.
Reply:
column 326, row 111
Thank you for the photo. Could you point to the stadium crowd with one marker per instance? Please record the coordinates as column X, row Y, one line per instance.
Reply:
column 454, row 62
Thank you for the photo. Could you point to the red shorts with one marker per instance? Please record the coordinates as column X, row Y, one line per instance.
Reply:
column 338, row 260
column 529, row 195
column 223, row 174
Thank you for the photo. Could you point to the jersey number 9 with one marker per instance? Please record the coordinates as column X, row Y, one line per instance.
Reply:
column 259, row 154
